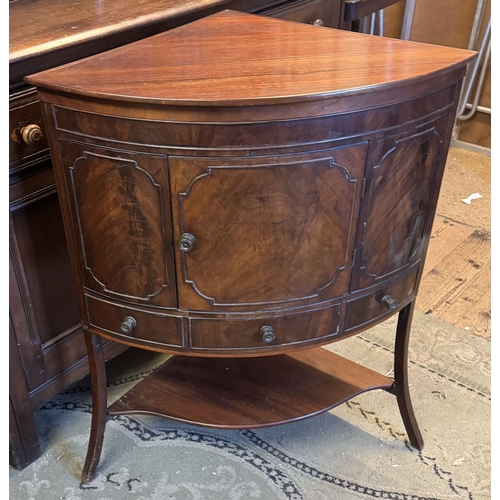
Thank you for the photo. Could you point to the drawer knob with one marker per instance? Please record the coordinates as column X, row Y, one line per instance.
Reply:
column 128, row 324
column 267, row 333
column 31, row 134
column 388, row 302
column 318, row 22
column 186, row 243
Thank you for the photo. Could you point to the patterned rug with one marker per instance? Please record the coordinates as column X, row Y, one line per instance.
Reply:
column 358, row 450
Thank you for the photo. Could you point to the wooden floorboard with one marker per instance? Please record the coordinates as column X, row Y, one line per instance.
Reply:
column 446, row 236
column 456, row 280
column 456, row 283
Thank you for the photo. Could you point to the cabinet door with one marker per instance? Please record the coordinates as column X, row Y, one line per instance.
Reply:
column 265, row 232
column 121, row 207
column 400, row 180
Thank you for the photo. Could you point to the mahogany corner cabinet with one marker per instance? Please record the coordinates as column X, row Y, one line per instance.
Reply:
column 239, row 191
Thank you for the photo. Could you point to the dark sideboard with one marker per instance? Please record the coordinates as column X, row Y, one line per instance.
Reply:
column 46, row 344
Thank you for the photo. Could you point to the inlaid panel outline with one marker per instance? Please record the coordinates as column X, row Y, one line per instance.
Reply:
column 418, row 222
column 211, row 168
column 419, row 121
column 118, row 163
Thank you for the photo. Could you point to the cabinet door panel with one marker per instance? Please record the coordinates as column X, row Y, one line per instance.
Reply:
column 399, row 191
column 121, row 205
column 41, row 255
column 268, row 231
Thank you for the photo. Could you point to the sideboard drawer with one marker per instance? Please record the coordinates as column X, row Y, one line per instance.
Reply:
column 318, row 12
column 365, row 309
column 266, row 332
column 26, row 131
column 159, row 330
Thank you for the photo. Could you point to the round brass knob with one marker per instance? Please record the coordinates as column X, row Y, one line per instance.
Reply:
column 186, row 242
column 128, row 324
column 388, row 302
column 31, row 134
column 267, row 333
column 318, row 22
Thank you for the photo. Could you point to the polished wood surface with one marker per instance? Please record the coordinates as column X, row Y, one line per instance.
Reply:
column 279, row 218
column 68, row 23
column 249, row 392
column 99, row 402
column 297, row 63
column 48, row 33
column 401, row 384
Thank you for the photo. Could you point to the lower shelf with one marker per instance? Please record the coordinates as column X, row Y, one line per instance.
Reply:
column 243, row 393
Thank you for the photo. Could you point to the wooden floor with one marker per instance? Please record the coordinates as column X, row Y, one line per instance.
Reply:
column 456, row 285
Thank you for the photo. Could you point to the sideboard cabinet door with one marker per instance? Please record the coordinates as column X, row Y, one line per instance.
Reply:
column 400, row 179
column 120, row 202
column 265, row 232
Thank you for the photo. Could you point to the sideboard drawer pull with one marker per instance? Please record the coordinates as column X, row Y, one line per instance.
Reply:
column 128, row 324
column 267, row 333
column 318, row 22
column 186, row 242
column 31, row 134
column 389, row 302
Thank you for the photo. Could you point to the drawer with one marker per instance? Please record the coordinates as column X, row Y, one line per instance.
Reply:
column 154, row 329
column 370, row 307
column 357, row 9
column 319, row 12
column 27, row 140
column 264, row 333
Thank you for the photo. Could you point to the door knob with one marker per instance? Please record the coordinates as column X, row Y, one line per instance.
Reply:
column 388, row 302
column 186, row 242
column 318, row 22
column 128, row 324
column 267, row 333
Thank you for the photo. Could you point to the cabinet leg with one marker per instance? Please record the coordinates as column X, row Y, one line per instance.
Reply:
column 99, row 405
column 400, row 388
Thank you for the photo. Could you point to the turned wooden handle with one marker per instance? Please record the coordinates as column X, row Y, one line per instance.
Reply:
column 31, row 134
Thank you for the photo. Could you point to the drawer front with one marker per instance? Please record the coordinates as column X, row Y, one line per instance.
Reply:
column 152, row 329
column 264, row 333
column 319, row 12
column 370, row 307
column 27, row 140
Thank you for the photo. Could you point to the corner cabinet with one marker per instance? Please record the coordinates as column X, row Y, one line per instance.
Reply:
column 307, row 233
column 246, row 204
